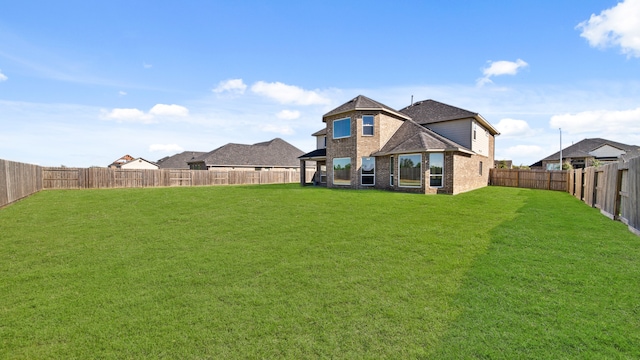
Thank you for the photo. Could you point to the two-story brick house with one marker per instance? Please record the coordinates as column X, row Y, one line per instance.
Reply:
column 428, row 147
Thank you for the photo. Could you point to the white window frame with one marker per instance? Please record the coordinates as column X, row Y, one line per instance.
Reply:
column 400, row 175
column 373, row 121
column 334, row 128
column 362, row 175
column 439, row 175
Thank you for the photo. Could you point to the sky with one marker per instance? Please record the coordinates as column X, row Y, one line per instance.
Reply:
column 83, row 83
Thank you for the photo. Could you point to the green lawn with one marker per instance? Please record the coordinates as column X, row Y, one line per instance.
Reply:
column 281, row 271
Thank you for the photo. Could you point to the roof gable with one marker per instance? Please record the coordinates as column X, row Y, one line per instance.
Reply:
column 412, row 136
column 362, row 102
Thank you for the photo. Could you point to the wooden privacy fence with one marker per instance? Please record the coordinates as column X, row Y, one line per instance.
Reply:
column 530, row 179
column 18, row 180
column 612, row 188
column 98, row 178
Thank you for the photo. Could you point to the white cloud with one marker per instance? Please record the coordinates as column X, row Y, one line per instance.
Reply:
column 136, row 115
column 288, row 114
column 122, row 93
column 169, row 110
column 617, row 26
column 514, row 128
column 128, row 115
column 498, row 68
column 602, row 122
column 3, row 77
column 233, row 85
column 146, row 66
column 172, row 148
column 288, row 94
column 519, row 152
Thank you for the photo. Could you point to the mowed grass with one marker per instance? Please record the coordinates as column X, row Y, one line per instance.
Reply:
column 282, row 271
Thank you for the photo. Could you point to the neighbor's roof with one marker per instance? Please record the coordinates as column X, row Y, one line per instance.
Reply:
column 123, row 160
column 583, row 147
column 412, row 136
column 430, row 111
column 361, row 102
column 273, row 153
column 178, row 161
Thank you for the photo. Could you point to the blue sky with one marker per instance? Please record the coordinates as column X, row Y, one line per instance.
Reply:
column 85, row 82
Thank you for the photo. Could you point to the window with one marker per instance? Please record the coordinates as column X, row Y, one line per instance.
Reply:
column 480, row 168
column 368, row 171
column 410, row 170
column 342, row 171
column 392, row 168
column 367, row 125
column 436, row 168
column 342, row 128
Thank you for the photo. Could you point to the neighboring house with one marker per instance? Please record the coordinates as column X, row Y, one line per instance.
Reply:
column 275, row 154
column 179, row 161
column 121, row 161
column 139, row 163
column 583, row 154
column 427, row 147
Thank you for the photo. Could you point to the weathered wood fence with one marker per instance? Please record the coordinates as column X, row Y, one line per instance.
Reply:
column 18, row 180
column 613, row 188
column 530, row 179
column 99, row 178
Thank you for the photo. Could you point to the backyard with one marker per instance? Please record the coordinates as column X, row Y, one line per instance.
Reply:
column 283, row 271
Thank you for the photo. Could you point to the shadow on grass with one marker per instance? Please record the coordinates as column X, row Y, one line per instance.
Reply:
column 558, row 281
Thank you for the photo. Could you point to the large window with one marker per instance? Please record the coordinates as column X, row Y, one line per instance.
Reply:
column 368, row 171
column 410, row 170
column 367, row 125
column 436, row 168
column 342, row 128
column 342, row 171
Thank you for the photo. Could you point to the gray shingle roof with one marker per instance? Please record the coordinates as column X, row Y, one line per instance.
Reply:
column 273, row 153
column 430, row 111
column 178, row 161
column 362, row 102
column 412, row 136
column 317, row 153
column 583, row 147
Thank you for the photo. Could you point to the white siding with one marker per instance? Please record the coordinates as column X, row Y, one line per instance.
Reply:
column 139, row 164
column 606, row 151
column 456, row 130
column 480, row 145
column 321, row 142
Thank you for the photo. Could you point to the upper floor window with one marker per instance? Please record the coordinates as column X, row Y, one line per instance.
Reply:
column 367, row 125
column 342, row 128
